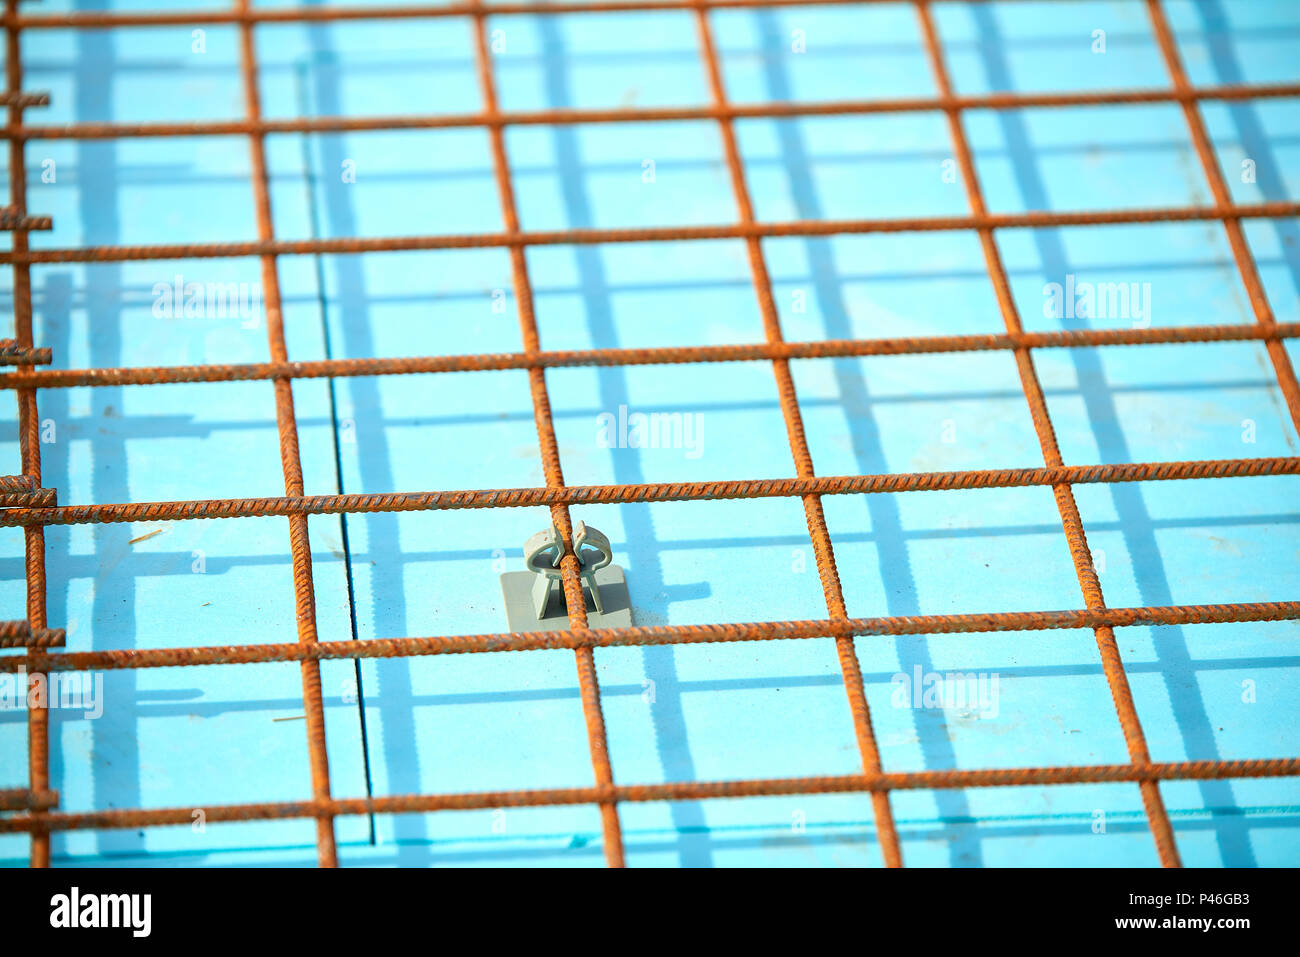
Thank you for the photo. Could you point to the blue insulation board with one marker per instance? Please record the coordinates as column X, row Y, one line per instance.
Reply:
column 199, row 736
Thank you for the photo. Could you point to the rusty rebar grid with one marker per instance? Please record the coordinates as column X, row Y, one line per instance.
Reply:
column 28, row 505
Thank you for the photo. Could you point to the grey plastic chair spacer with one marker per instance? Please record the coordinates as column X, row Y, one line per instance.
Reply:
column 542, row 554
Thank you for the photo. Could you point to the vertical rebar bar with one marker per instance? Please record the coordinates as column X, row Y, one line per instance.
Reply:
column 1071, row 522
column 588, row 682
column 291, row 462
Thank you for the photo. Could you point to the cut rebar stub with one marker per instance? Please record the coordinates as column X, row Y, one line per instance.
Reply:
column 24, row 799
column 13, row 354
column 36, row 498
column 535, row 598
column 20, row 634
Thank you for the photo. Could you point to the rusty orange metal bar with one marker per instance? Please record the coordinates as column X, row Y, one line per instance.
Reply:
column 21, row 799
column 588, row 683
column 20, row 634
column 977, row 623
column 291, row 462
column 673, row 791
column 1071, row 521
column 29, row 425
column 823, row 550
column 664, row 355
column 570, row 116
column 888, row 482
column 563, row 237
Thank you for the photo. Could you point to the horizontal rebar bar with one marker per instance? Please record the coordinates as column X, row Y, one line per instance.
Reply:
column 13, row 636
column 672, row 791
column 22, row 799
column 647, row 492
column 13, row 354
column 41, row 497
column 23, row 99
column 817, row 349
column 414, row 11
column 15, row 629
column 134, row 658
column 569, row 116
column 562, row 237
column 12, row 221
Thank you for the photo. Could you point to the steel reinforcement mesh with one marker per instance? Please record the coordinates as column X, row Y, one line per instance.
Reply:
column 34, row 810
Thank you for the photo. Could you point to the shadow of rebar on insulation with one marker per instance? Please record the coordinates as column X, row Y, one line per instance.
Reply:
column 115, row 782
column 393, row 694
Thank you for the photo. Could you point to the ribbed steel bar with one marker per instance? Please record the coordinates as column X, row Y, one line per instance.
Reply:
column 1071, row 521
column 21, row 799
column 19, row 634
column 823, row 549
column 673, row 791
column 13, row 354
column 16, row 223
column 291, row 462
column 37, row 497
column 411, row 11
column 976, row 623
column 648, row 492
column 29, row 424
column 663, row 355
column 561, row 237
column 631, row 114
column 12, row 98
column 46, row 638
column 588, row 682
